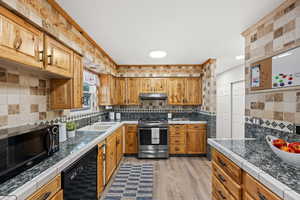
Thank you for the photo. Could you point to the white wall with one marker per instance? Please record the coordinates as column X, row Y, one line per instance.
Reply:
column 225, row 82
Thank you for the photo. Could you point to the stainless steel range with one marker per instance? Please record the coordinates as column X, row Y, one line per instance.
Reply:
column 153, row 138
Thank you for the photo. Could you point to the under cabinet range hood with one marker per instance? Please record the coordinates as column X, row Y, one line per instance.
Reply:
column 153, row 96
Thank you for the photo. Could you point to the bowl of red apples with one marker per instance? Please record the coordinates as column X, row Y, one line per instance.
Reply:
column 288, row 152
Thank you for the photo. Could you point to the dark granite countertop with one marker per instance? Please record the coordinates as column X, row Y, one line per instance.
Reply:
column 260, row 155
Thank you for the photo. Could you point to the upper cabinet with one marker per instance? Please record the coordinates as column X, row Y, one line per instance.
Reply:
column 77, row 81
column 121, row 91
column 133, row 91
column 193, row 91
column 176, row 91
column 20, row 41
column 153, row 85
column 104, row 91
column 58, row 58
column 68, row 93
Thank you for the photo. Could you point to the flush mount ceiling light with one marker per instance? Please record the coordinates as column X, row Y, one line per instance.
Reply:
column 158, row 54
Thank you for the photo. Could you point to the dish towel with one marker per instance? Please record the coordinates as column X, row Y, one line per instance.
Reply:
column 155, row 135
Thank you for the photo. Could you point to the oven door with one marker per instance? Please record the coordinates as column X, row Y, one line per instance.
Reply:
column 145, row 137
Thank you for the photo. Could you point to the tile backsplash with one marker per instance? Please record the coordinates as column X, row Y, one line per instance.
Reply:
column 24, row 97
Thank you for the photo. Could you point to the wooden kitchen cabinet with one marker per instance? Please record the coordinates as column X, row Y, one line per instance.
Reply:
column 58, row 58
column 107, row 93
column 133, row 91
column 153, row 85
column 111, row 156
column 119, row 142
column 121, row 91
column 100, row 170
column 176, row 91
column 131, row 139
column 187, row 139
column 20, row 41
column 48, row 191
column 196, row 139
column 58, row 196
column 193, row 91
column 68, row 93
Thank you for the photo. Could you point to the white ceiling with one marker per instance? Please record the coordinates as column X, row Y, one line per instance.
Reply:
column 190, row 31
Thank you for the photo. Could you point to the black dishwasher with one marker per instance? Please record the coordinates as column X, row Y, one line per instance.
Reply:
column 80, row 178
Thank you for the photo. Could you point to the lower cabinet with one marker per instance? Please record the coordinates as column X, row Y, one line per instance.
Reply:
column 131, row 139
column 50, row 191
column 119, row 142
column 230, row 182
column 187, row 139
column 111, row 156
column 100, row 170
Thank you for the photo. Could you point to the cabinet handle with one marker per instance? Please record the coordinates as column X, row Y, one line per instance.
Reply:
column 44, row 196
column 222, row 162
column 41, row 56
column 50, row 59
column 261, row 196
column 18, row 40
column 221, row 178
column 221, row 195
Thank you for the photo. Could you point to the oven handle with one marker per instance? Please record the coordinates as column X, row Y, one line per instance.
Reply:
column 150, row 128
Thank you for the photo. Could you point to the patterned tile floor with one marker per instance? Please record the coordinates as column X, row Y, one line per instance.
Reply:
column 132, row 182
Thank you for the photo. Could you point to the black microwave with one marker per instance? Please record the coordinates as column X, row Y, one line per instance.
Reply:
column 23, row 147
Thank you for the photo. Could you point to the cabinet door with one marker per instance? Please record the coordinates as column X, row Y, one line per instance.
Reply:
column 100, row 183
column 111, row 157
column 133, row 88
column 20, row 41
column 104, row 91
column 159, row 85
column 131, row 139
column 112, row 92
column 60, row 94
column 193, row 90
column 146, row 85
column 119, row 146
column 58, row 196
column 121, row 91
column 77, row 83
column 196, row 141
column 58, row 58
column 176, row 91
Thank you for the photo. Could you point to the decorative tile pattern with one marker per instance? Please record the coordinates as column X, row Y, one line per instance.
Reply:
column 133, row 181
column 272, row 124
column 274, row 34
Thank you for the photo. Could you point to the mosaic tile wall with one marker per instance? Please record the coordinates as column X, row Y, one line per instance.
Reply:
column 44, row 15
column 209, row 89
column 277, row 32
column 159, row 70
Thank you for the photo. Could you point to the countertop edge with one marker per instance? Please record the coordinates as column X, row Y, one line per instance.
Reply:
column 36, row 183
column 271, row 183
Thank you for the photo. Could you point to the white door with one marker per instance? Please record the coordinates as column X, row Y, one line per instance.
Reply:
column 238, row 109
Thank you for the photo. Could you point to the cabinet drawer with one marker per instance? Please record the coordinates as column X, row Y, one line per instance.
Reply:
column 59, row 195
column 177, row 139
column 219, row 191
column 257, row 190
column 131, row 128
column 111, row 137
column 230, row 185
column 177, row 149
column 228, row 166
column 196, row 126
column 178, row 127
column 48, row 190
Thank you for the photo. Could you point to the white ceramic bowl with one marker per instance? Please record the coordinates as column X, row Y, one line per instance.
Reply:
column 290, row 158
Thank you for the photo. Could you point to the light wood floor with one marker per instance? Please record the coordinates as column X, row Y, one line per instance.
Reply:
column 180, row 178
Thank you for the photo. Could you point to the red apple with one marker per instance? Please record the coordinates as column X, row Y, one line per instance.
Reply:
column 295, row 146
column 279, row 143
